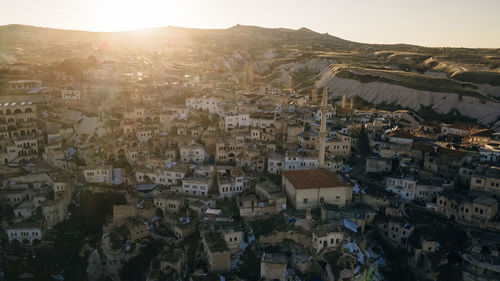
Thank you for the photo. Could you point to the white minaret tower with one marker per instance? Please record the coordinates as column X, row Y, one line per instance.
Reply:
column 322, row 128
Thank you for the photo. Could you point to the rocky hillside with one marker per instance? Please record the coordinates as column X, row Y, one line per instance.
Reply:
column 446, row 80
column 377, row 89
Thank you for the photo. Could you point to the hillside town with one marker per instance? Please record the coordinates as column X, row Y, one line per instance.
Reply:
column 118, row 166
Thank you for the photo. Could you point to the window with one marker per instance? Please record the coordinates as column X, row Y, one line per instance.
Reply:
column 305, row 200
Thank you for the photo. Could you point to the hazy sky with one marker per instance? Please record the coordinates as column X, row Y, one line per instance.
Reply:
column 467, row 23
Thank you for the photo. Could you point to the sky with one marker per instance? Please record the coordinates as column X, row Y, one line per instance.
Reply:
column 439, row 23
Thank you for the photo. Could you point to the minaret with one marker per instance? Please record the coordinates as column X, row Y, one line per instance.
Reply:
column 322, row 128
column 314, row 96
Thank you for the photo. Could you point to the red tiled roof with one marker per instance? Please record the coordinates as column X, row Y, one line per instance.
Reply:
column 314, row 178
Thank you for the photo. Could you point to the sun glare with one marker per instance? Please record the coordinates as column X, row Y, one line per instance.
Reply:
column 116, row 15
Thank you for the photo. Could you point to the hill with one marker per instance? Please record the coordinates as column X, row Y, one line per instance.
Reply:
column 459, row 80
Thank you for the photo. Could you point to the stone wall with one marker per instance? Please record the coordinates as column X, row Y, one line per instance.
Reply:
column 219, row 261
column 299, row 237
column 272, row 271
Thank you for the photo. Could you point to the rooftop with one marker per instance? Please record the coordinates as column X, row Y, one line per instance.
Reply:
column 215, row 242
column 268, row 186
column 462, row 125
column 401, row 134
column 146, row 186
column 274, row 258
column 487, row 201
column 314, row 178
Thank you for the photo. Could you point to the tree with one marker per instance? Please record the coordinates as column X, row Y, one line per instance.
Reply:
column 364, row 142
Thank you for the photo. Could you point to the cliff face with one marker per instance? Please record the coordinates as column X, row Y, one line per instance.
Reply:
column 483, row 109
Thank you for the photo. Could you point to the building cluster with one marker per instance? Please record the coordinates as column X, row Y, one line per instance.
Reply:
column 216, row 174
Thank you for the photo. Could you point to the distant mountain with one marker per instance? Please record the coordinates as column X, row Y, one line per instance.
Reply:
column 15, row 33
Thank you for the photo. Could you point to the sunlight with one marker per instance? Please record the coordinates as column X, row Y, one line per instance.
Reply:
column 116, row 15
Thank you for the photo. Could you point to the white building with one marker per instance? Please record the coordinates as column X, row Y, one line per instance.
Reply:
column 404, row 187
column 145, row 135
column 237, row 121
column 275, row 163
column 326, row 238
column 198, row 186
column 231, row 185
column 24, row 210
column 24, row 234
column 193, row 153
column 489, row 153
column 460, row 129
column 25, row 84
column 401, row 137
column 329, row 115
column 103, row 174
column 292, row 161
column 169, row 176
column 59, row 186
column 70, row 93
column 310, row 188
column 208, row 104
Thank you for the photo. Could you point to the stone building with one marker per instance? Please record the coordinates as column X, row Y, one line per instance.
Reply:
column 216, row 251
column 326, row 237
column 98, row 174
column 24, row 233
column 193, row 153
column 20, row 138
column 310, row 188
column 273, row 267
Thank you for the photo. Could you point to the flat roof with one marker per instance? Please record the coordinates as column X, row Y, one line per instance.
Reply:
column 146, row 186
column 488, row 201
